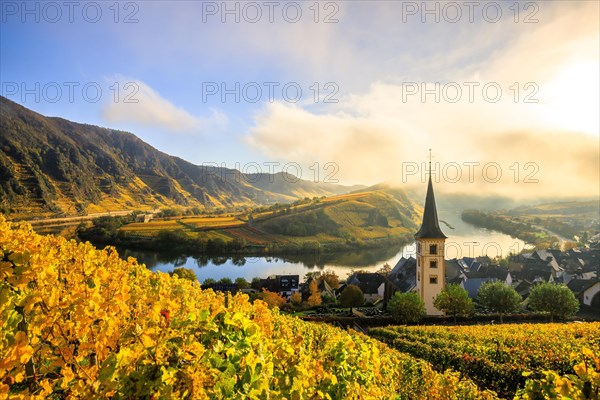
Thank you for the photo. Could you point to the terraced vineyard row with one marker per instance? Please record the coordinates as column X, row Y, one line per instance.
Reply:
column 503, row 357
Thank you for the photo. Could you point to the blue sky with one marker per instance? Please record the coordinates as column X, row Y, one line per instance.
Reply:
column 372, row 63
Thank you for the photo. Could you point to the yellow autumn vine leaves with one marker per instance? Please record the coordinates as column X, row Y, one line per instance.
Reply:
column 529, row 361
column 81, row 323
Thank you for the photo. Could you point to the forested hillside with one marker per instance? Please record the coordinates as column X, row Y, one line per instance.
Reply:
column 51, row 166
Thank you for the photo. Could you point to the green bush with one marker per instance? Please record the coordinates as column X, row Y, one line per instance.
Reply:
column 407, row 307
column 556, row 299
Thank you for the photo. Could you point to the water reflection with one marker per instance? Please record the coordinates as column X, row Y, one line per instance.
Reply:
column 464, row 240
column 353, row 259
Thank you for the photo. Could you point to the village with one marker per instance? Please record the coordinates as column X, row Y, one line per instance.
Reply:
column 369, row 293
column 577, row 268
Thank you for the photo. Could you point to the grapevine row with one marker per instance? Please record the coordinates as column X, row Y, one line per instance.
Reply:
column 81, row 323
column 504, row 358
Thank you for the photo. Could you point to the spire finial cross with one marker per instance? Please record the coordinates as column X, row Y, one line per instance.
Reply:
column 430, row 156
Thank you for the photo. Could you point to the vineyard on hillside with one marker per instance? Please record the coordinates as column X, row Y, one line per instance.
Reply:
column 372, row 219
column 503, row 357
column 80, row 323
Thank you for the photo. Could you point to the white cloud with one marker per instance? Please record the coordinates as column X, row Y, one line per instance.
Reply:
column 384, row 135
column 370, row 134
column 139, row 104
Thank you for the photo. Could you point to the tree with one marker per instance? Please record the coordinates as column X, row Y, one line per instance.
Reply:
column 271, row 298
column 328, row 299
column 385, row 270
column 315, row 296
column 242, row 283
column 351, row 297
column 296, row 298
column 225, row 281
column 331, row 278
column 568, row 246
column 256, row 283
column 208, row 281
column 328, row 276
column 558, row 300
column 169, row 212
column 184, row 273
column 407, row 307
column 455, row 301
column 498, row 297
column 237, row 244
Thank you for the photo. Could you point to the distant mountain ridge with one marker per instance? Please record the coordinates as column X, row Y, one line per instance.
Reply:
column 50, row 165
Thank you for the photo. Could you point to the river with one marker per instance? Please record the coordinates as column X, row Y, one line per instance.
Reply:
column 464, row 240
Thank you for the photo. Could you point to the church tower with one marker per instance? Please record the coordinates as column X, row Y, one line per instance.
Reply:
column 431, row 268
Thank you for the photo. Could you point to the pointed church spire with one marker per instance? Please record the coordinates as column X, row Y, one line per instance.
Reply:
column 429, row 172
column 430, row 228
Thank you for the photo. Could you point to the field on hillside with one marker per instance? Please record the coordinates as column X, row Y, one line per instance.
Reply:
column 568, row 219
column 351, row 218
column 188, row 224
column 356, row 216
column 213, row 222
column 227, row 228
column 502, row 357
column 575, row 208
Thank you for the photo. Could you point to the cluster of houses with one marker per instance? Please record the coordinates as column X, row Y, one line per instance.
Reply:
column 429, row 272
column 375, row 287
column 285, row 285
column 579, row 269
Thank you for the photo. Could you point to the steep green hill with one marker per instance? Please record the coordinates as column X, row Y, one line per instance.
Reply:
column 361, row 219
column 51, row 166
column 361, row 215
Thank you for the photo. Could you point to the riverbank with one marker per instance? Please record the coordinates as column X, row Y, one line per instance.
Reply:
column 175, row 242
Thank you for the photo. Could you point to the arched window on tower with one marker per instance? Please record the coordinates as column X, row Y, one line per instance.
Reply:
column 433, row 249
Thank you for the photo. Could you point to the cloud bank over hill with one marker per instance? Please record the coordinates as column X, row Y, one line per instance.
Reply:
column 527, row 110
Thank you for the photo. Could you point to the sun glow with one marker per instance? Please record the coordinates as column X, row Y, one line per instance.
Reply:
column 571, row 100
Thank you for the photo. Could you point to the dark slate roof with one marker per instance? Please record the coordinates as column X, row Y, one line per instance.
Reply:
column 340, row 289
column 581, row 285
column 455, row 280
column 453, row 270
column 533, row 273
column 469, row 261
column 222, row 287
column 404, row 274
column 530, row 264
column 369, row 283
column 430, row 228
column 489, row 272
column 472, row 285
column 523, row 288
column 280, row 283
column 475, row 266
column 572, row 265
